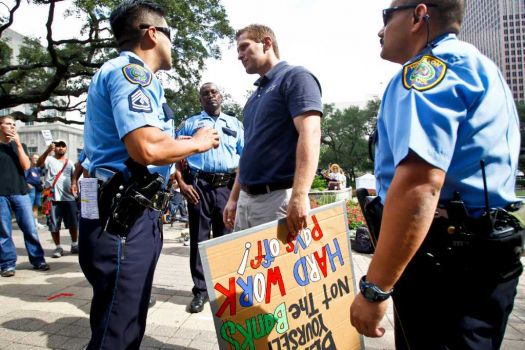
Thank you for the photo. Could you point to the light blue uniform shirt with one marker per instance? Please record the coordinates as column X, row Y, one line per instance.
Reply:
column 223, row 159
column 124, row 95
column 452, row 112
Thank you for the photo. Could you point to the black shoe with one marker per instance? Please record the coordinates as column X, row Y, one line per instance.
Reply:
column 7, row 273
column 42, row 267
column 197, row 304
column 152, row 301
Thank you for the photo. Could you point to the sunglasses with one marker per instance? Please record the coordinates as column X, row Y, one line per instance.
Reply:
column 59, row 144
column 389, row 12
column 164, row 30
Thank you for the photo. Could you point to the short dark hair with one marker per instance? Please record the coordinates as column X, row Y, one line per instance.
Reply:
column 257, row 32
column 126, row 18
column 448, row 12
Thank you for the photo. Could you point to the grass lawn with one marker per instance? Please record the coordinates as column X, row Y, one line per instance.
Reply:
column 520, row 193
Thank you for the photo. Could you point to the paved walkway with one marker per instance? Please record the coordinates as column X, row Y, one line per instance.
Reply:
column 49, row 310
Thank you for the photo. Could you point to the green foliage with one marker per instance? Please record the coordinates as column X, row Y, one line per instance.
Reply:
column 47, row 73
column 345, row 137
column 319, row 183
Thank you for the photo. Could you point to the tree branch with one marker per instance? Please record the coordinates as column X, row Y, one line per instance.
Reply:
column 11, row 16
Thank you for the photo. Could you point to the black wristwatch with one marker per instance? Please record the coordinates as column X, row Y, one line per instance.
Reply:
column 372, row 292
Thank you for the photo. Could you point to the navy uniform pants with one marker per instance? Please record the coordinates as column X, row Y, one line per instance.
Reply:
column 203, row 217
column 463, row 305
column 121, row 274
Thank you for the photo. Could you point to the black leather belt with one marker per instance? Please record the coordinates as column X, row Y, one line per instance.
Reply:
column 266, row 188
column 216, row 179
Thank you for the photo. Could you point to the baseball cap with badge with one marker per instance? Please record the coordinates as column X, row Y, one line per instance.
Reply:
column 60, row 143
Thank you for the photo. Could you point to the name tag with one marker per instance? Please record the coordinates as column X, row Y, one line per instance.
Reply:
column 229, row 131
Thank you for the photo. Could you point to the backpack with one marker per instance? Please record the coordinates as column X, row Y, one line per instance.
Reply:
column 362, row 242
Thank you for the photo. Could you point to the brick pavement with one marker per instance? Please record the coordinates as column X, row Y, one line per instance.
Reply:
column 49, row 310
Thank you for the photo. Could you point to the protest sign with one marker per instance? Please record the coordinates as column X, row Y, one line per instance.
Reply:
column 270, row 291
column 48, row 138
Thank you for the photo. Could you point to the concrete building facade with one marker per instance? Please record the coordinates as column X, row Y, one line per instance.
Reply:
column 497, row 29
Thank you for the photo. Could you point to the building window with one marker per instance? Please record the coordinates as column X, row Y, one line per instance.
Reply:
column 79, row 150
column 32, row 150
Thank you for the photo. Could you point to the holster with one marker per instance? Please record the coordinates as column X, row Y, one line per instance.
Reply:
column 372, row 211
column 123, row 202
column 484, row 246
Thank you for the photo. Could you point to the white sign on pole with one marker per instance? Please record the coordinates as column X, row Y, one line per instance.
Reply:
column 48, row 138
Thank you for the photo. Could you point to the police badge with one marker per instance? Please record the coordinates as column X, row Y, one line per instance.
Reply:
column 424, row 73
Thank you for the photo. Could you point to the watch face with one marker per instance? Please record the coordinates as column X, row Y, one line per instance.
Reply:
column 369, row 294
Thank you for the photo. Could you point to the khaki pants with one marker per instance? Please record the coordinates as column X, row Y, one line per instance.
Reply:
column 254, row 210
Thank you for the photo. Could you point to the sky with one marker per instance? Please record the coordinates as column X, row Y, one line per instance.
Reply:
column 335, row 39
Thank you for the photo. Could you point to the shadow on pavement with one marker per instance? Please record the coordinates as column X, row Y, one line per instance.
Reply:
column 65, row 333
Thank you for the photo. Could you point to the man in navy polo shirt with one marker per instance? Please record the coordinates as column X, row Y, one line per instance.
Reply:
column 282, row 126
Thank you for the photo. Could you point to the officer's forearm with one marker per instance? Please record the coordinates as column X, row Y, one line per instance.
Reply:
column 150, row 145
column 307, row 155
column 236, row 189
column 408, row 213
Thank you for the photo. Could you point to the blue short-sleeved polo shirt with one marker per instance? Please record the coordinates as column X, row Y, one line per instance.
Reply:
column 270, row 136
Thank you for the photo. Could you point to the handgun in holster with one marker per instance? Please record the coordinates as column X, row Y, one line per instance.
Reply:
column 126, row 201
column 372, row 211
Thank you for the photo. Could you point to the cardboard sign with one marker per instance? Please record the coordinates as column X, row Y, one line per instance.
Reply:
column 268, row 291
column 48, row 138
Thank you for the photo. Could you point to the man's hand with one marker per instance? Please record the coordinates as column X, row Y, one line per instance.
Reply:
column 74, row 189
column 206, row 138
column 189, row 192
column 366, row 315
column 50, row 148
column 297, row 213
column 229, row 213
column 12, row 135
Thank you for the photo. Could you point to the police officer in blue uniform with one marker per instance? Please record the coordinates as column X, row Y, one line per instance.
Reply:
column 445, row 161
column 207, row 181
column 128, row 128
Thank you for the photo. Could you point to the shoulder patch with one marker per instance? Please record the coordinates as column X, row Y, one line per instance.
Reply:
column 139, row 102
column 424, row 73
column 137, row 74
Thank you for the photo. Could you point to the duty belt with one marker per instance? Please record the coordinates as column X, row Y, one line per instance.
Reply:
column 215, row 179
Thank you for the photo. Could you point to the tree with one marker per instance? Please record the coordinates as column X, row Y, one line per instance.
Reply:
column 345, row 137
column 56, row 76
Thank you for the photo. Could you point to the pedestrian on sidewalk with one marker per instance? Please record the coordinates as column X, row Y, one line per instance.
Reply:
column 447, row 147
column 14, row 198
column 130, row 143
column 35, row 188
column 59, row 178
column 207, row 180
column 282, row 123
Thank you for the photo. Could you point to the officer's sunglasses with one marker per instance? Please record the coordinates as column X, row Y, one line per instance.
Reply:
column 389, row 12
column 164, row 30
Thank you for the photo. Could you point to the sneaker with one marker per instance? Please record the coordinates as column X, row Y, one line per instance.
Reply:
column 39, row 226
column 58, row 253
column 42, row 267
column 74, row 249
column 7, row 273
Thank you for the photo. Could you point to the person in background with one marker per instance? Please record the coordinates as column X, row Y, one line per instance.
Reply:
column 446, row 154
column 14, row 198
column 336, row 178
column 35, row 187
column 59, row 171
column 206, row 183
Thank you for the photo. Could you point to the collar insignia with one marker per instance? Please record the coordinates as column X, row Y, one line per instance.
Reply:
column 137, row 74
column 424, row 73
